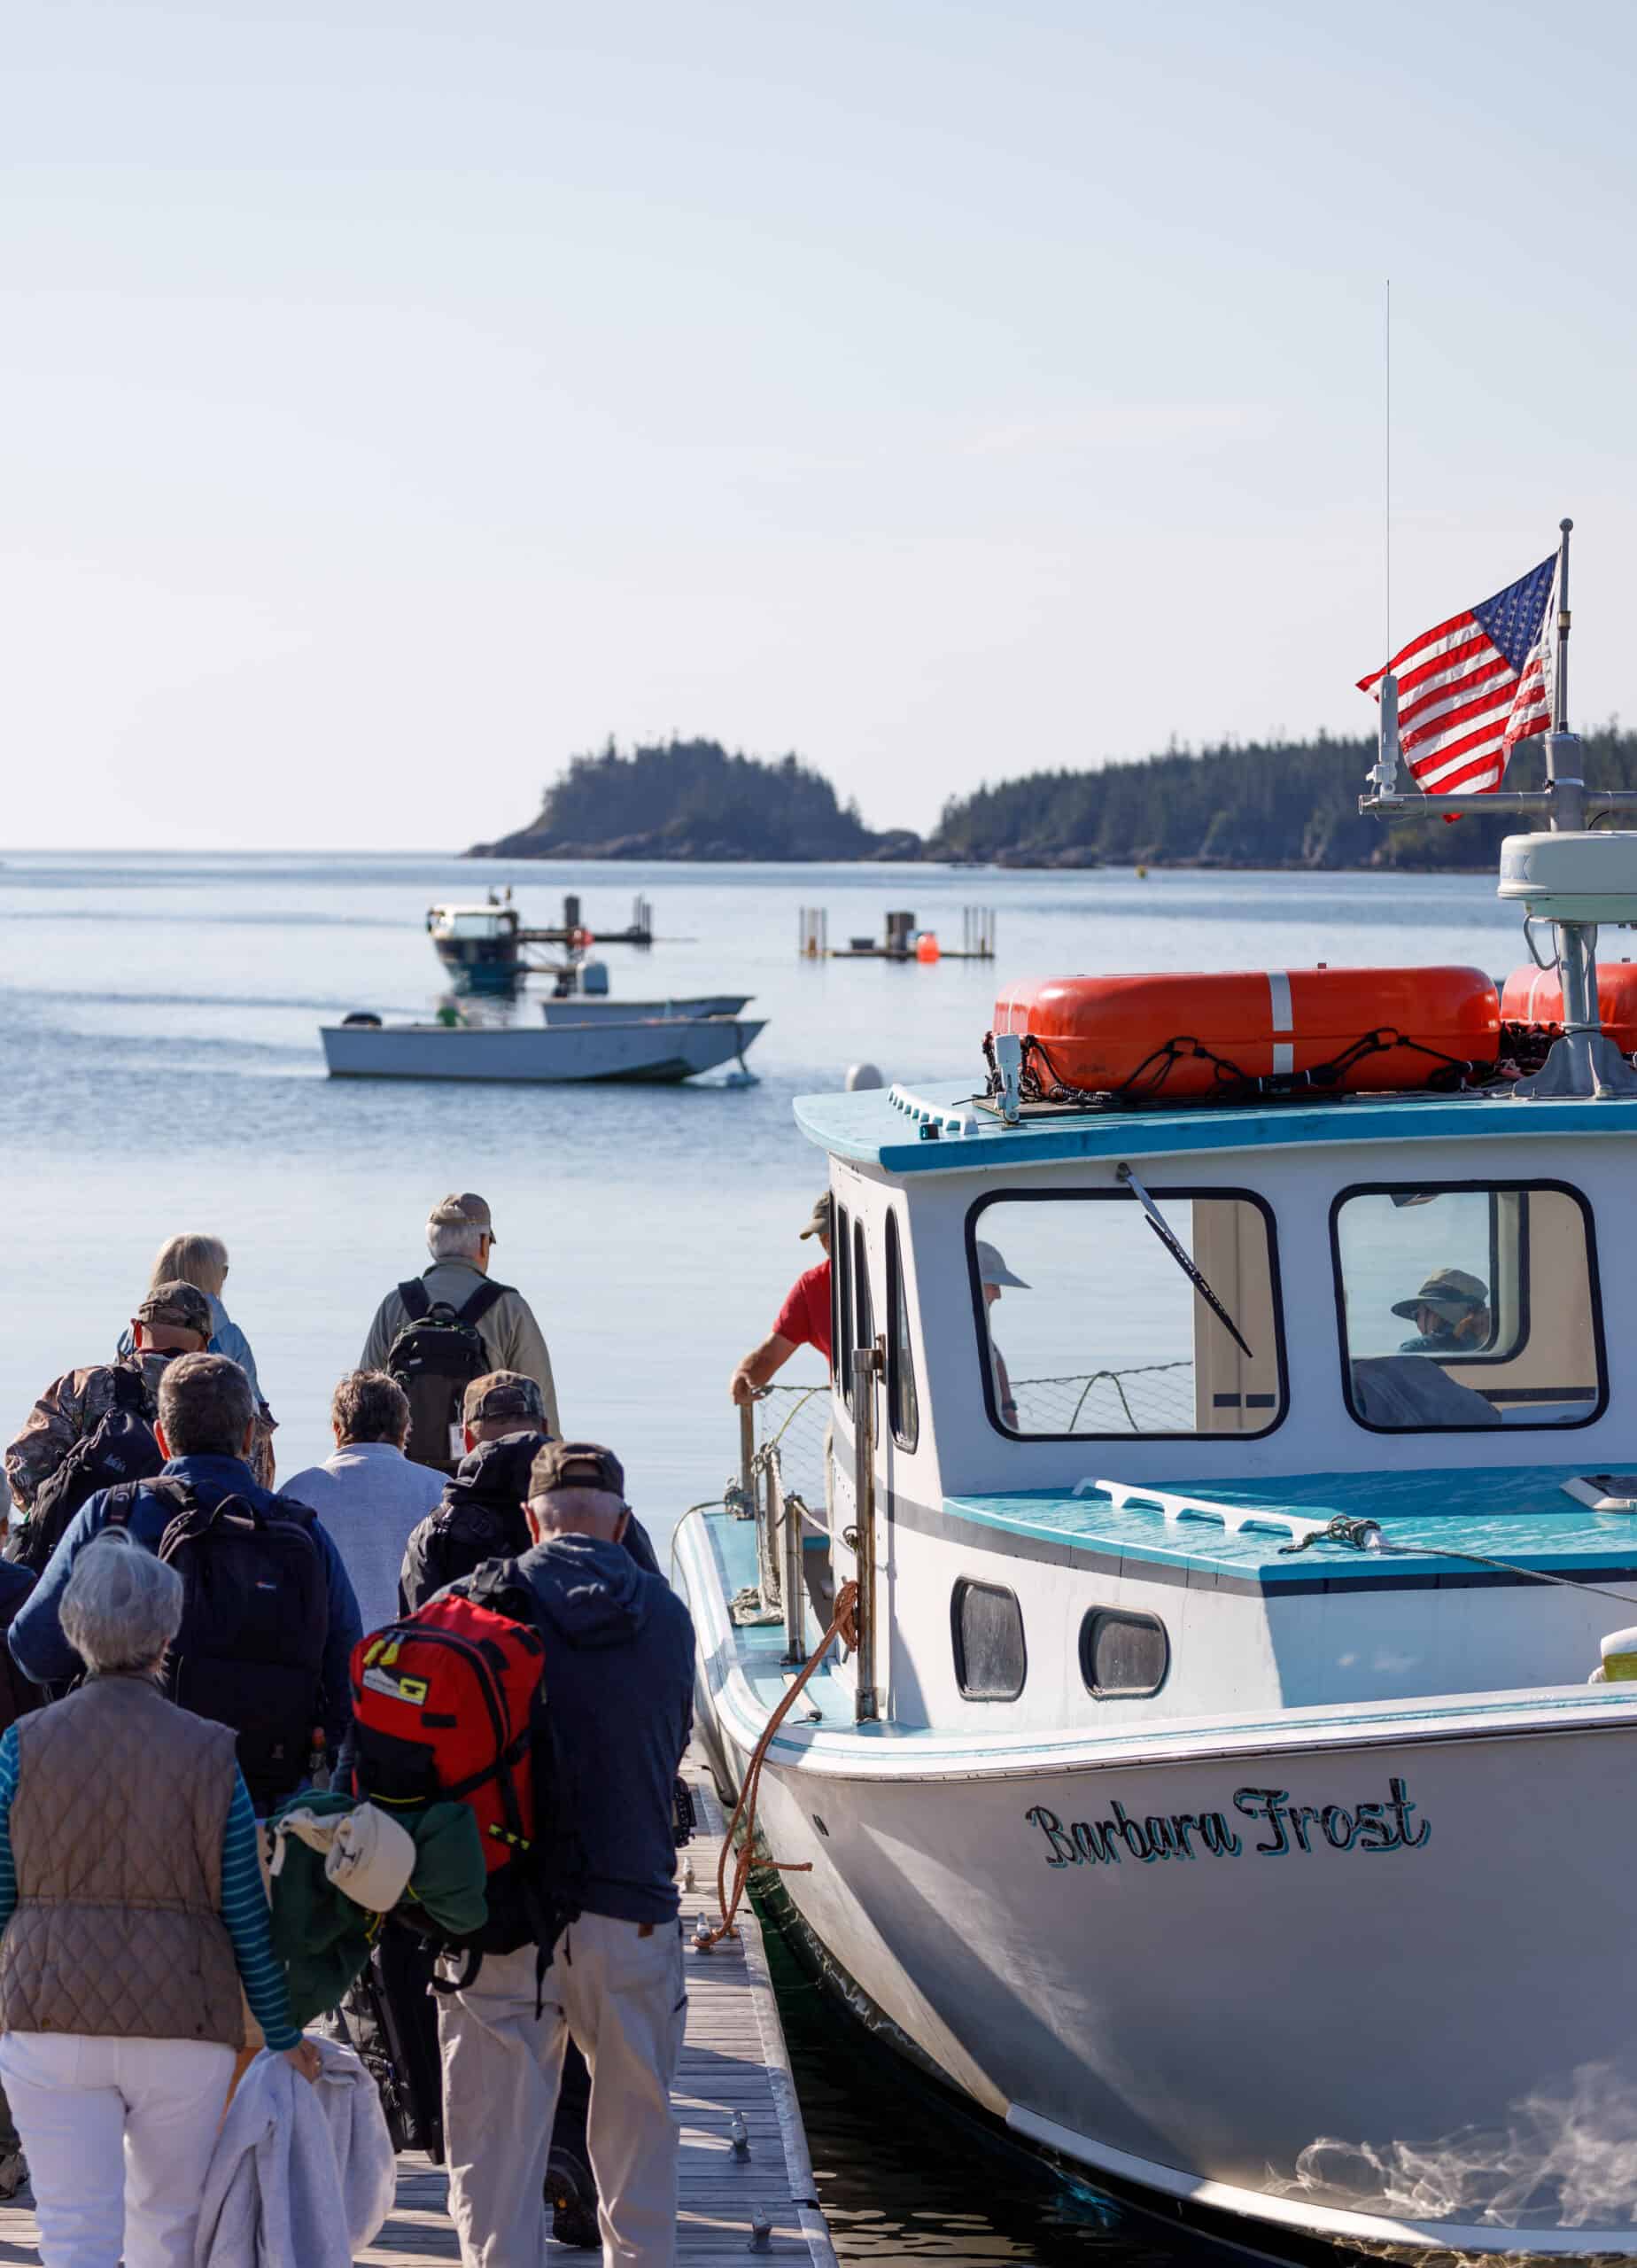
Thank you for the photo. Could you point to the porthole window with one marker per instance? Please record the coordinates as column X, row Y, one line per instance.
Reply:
column 1122, row 1654
column 990, row 1659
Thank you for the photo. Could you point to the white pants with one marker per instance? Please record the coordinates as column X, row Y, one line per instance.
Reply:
column 621, row 1997
column 118, row 2135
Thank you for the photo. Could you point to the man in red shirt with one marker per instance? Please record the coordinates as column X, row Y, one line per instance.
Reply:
column 803, row 1320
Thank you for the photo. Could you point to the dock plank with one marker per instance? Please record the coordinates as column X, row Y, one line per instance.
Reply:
column 734, row 2063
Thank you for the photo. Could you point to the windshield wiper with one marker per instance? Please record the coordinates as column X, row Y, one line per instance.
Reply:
column 1172, row 1243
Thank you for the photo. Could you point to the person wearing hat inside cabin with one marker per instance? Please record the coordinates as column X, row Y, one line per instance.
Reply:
column 803, row 1320
column 460, row 1236
column 1450, row 1313
column 994, row 1277
column 173, row 1319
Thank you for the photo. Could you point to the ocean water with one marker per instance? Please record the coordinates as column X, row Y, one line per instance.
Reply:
column 161, row 1070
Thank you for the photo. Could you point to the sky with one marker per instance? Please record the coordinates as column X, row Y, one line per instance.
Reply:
column 397, row 399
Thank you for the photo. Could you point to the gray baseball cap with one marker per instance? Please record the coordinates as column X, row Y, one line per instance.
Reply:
column 462, row 1210
column 993, row 1269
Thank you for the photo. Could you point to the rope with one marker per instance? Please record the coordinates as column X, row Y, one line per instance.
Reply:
column 1230, row 1082
column 844, row 1625
column 1366, row 1536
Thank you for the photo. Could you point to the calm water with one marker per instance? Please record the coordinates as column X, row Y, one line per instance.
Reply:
column 162, row 1071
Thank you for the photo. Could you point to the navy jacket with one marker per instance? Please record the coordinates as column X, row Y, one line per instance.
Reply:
column 619, row 1684
column 36, row 1637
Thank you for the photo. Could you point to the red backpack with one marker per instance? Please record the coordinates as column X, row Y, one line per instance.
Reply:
column 445, row 1707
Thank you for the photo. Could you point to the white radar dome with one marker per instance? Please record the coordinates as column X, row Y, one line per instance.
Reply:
column 863, row 1075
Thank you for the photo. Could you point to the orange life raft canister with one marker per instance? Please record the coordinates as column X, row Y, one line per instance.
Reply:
column 1534, row 998
column 1181, row 1038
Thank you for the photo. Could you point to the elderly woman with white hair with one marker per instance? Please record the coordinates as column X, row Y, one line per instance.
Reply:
column 133, row 1912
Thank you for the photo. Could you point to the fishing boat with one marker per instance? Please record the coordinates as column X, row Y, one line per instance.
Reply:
column 655, row 1049
column 1232, row 1483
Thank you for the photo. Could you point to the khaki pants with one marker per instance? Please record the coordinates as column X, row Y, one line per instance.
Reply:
column 621, row 1997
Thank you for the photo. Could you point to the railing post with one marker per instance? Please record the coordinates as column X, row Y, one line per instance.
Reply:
column 747, row 1445
column 792, row 1583
column 867, row 1366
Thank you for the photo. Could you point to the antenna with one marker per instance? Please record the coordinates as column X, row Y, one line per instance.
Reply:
column 1386, row 454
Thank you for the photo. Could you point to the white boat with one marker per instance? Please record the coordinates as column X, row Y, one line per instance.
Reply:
column 1214, row 1791
column 660, row 1049
column 589, row 1008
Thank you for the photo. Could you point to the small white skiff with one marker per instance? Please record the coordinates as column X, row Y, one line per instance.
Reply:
column 656, row 1048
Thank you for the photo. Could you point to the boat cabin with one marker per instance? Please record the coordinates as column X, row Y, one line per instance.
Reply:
column 1132, row 1360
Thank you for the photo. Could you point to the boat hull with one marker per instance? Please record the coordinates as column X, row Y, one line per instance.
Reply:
column 1415, row 2033
column 661, row 1051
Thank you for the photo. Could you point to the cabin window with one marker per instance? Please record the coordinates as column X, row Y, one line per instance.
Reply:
column 1091, row 1326
column 991, row 1661
column 903, row 1405
column 1467, row 1305
column 863, row 1305
column 841, row 1297
column 1122, row 1654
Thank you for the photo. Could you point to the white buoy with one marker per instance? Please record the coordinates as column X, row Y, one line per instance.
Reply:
column 860, row 1075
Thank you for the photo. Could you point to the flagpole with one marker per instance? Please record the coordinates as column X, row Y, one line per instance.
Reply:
column 1565, row 783
column 1560, row 701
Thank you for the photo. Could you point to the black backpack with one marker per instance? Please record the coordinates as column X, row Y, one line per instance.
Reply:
column 121, row 1448
column 255, row 1616
column 434, row 1359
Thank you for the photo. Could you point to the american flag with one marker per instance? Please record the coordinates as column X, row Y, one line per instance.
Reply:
column 1473, row 688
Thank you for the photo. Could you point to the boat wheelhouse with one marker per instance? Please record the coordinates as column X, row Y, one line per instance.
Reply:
column 1207, row 1780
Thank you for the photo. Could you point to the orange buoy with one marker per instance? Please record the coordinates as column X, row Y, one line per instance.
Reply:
column 928, row 949
column 1533, row 998
column 1182, row 1038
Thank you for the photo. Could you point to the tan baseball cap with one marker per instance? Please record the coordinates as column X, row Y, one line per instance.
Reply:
column 503, row 1393
column 819, row 1225
column 462, row 1210
column 183, row 1307
column 576, row 1464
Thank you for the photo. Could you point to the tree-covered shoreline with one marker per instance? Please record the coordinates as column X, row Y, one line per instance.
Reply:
column 1288, row 805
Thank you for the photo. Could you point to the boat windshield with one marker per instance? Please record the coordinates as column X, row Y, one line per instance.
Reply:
column 476, row 921
column 1090, row 1329
column 1466, row 1305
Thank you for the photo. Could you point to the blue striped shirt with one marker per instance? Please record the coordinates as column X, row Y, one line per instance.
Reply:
column 244, row 1901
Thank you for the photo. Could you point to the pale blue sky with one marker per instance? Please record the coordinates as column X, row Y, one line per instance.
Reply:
column 396, row 399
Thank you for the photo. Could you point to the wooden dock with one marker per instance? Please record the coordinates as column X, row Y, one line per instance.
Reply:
column 734, row 2064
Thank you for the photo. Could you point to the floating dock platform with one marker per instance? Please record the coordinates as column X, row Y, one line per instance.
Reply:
column 903, row 941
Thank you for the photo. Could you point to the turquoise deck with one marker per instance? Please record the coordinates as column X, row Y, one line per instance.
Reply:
column 869, row 1128
column 1519, row 1515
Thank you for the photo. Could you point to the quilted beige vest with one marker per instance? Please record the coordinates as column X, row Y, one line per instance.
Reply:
column 116, row 1835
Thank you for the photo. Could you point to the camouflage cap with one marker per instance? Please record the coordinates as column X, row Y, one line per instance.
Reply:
column 462, row 1210
column 183, row 1306
column 576, row 1464
column 503, row 1393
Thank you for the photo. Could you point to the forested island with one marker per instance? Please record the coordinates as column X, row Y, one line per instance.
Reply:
column 1289, row 804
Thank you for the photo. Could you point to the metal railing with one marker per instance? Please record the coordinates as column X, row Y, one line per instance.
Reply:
column 1139, row 1398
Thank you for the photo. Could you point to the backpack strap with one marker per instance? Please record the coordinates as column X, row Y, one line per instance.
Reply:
column 416, row 1297
column 481, row 1301
column 130, row 1391
column 120, row 1501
